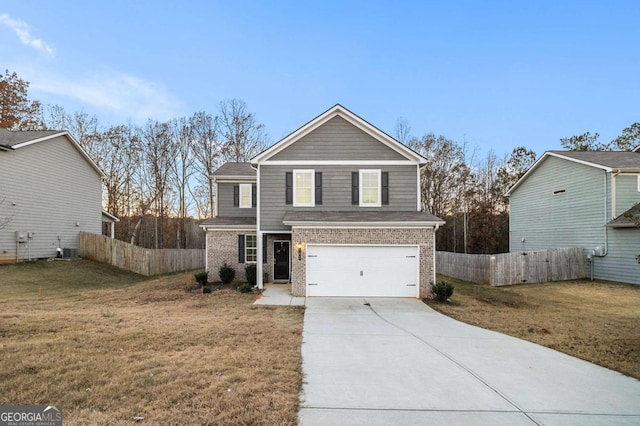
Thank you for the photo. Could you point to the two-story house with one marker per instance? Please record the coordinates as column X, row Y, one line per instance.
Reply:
column 581, row 199
column 334, row 208
column 50, row 191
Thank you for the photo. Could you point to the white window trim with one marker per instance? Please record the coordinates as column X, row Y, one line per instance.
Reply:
column 246, row 248
column 360, row 187
column 246, row 187
column 638, row 183
column 313, row 187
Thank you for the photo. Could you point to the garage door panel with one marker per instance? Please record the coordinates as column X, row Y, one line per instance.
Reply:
column 362, row 271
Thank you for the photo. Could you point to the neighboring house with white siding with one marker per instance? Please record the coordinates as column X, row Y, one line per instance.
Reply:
column 586, row 199
column 334, row 208
column 50, row 190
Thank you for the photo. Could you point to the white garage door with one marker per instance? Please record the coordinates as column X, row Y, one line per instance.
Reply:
column 362, row 271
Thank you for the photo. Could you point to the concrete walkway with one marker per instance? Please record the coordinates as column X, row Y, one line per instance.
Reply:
column 278, row 295
column 399, row 362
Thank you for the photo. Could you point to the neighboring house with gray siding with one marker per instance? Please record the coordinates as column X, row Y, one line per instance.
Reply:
column 50, row 190
column 581, row 199
column 334, row 208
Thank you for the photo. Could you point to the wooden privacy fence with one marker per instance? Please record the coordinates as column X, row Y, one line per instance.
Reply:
column 513, row 268
column 137, row 259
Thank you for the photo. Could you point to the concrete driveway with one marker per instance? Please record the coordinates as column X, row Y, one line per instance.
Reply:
column 399, row 362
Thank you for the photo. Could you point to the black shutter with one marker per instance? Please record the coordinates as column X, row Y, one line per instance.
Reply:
column 236, row 195
column 288, row 178
column 385, row 188
column 264, row 249
column 355, row 178
column 318, row 187
column 240, row 248
column 254, row 195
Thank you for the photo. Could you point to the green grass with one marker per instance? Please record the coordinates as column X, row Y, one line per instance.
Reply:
column 39, row 278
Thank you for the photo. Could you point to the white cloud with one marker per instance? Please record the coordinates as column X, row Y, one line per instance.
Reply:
column 121, row 94
column 22, row 30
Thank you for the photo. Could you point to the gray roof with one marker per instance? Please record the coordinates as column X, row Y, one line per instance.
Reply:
column 628, row 219
column 235, row 169
column 611, row 159
column 229, row 222
column 10, row 138
column 379, row 216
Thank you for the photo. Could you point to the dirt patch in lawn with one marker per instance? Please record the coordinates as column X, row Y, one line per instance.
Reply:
column 595, row 321
column 145, row 347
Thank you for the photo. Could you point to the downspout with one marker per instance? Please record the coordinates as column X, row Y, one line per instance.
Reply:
column 606, row 236
column 259, row 236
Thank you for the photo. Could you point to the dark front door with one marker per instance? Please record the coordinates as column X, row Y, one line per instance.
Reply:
column 281, row 260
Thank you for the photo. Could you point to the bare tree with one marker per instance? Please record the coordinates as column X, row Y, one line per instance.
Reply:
column 444, row 175
column 207, row 152
column 158, row 151
column 182, row 168
column 403, row 130
column 242, row 136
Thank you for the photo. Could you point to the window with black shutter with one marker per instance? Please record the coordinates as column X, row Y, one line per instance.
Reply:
column 236, row 195
column 385, row 188
column 318, row 193
column 288, row 187
column 254, row 195
column 354, row 188
column 241, row 248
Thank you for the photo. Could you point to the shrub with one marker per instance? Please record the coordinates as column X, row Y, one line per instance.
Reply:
column 227, row 273
column 250, row 273
column 442, row 291
column 207, row 288
column 242, row 286
column 201, row 277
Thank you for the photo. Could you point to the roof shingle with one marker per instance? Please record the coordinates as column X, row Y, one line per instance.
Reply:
column 612, row 159
column 235, row 169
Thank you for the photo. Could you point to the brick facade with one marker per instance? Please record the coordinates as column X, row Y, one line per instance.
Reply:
column 222, row 246
column 424, row 237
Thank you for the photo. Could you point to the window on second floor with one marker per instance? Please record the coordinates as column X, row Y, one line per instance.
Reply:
column 303, row 188
column 370, row 188
column 245, row 196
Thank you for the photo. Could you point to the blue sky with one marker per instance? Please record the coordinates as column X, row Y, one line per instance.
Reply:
column 497, row 74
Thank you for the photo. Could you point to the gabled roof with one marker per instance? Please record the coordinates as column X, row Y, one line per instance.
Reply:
column 607, row 160
column 235, row 170
column 610, row 161
column 108, row 217
column 339, row 111
column 12, row 140
column 628, row 219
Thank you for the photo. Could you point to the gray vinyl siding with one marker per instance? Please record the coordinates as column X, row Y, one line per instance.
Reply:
column 53, row 187
column 575, row 218
column 336, row 191
column 627, row 194
column 337, row 139
column 225, row 203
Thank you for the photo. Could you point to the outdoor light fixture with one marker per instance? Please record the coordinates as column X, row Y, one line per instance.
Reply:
column 299, row 247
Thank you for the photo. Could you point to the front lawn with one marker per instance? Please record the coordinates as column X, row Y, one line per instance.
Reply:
column 595, row 321
column 110, row 346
